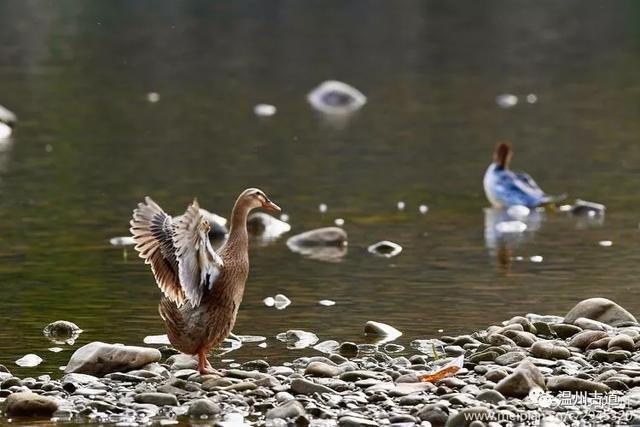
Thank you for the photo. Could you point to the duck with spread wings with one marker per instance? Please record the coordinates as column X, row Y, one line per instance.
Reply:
column 202, row 289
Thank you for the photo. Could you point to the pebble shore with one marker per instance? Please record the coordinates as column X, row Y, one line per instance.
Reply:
column 531, row 369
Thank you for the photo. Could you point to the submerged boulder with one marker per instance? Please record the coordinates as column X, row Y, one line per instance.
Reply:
column 328, row 243
column 266, row 227
column 62, row 332
column 98, row 358
column 584, row 208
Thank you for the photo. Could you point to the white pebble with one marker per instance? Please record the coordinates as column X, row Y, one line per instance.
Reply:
column 326, row 302
column 269, row 301
column 605, row 243
column 565, row 208
column 536, row 258
column 284, row 217
column 401, row 205
column 423, row 209
column 55, row 349
column 153, row 97
column 506, row 100
column 281, row 302
column 29, row 361
column 339, row 222
column 532, row 98
column 322, row 207
column 264, row 110
column 511, row 227
column 440, row 331
column 122, row 241
column 262, row 345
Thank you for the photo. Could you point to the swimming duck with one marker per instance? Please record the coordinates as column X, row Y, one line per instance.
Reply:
column 505, row 188
column 202, row 289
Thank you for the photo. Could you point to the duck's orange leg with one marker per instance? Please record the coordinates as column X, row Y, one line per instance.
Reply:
column 204, row 367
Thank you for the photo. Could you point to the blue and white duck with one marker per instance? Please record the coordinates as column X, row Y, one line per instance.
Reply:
column 505, row 188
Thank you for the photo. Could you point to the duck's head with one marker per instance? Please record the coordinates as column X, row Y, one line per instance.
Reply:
column 252, row 198
column 502, row 155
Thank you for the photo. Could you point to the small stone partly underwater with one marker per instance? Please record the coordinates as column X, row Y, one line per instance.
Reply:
column 385, row 249
column 29, row 361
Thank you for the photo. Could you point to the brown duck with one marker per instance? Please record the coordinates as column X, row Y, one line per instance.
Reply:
column 202, row 289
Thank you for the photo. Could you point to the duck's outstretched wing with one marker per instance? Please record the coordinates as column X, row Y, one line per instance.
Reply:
column 198, row 264
column 153, row 233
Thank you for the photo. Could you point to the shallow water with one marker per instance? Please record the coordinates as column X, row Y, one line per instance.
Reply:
column 89, row 146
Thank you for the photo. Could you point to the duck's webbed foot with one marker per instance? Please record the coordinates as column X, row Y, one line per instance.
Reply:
column 204, row 367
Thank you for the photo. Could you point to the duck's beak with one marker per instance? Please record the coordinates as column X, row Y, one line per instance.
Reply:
column 270, row 206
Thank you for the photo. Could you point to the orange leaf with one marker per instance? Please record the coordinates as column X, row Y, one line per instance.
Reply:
column 449, row 369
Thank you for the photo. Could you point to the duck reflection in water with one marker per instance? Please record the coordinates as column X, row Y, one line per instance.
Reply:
column 506, row 229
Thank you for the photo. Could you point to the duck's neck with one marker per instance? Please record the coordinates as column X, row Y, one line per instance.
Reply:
column 238, row 237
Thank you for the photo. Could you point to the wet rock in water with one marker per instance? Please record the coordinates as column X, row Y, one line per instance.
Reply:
column 281, row 302
column 600, row 309
column 266, row 227
column 288, row 410
column 588, row 209
column 521, row 381
column 384, row 332
column 574, row 384
column 203, row 407
column 506, row 100
column 385, row 249
column 327, row 236
column 269, row 301
column 297, row 339
column 27, row 404
column 326, row 302
column 325, row 244
column 157, row 340
column 334, row 97
column 328, row 347
column 550, row 350
column 7, row 116
column 29, row 361
column 62, row 332
column 158, row 399
column 98, row 358
column 264, row 110
column 122, row 241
